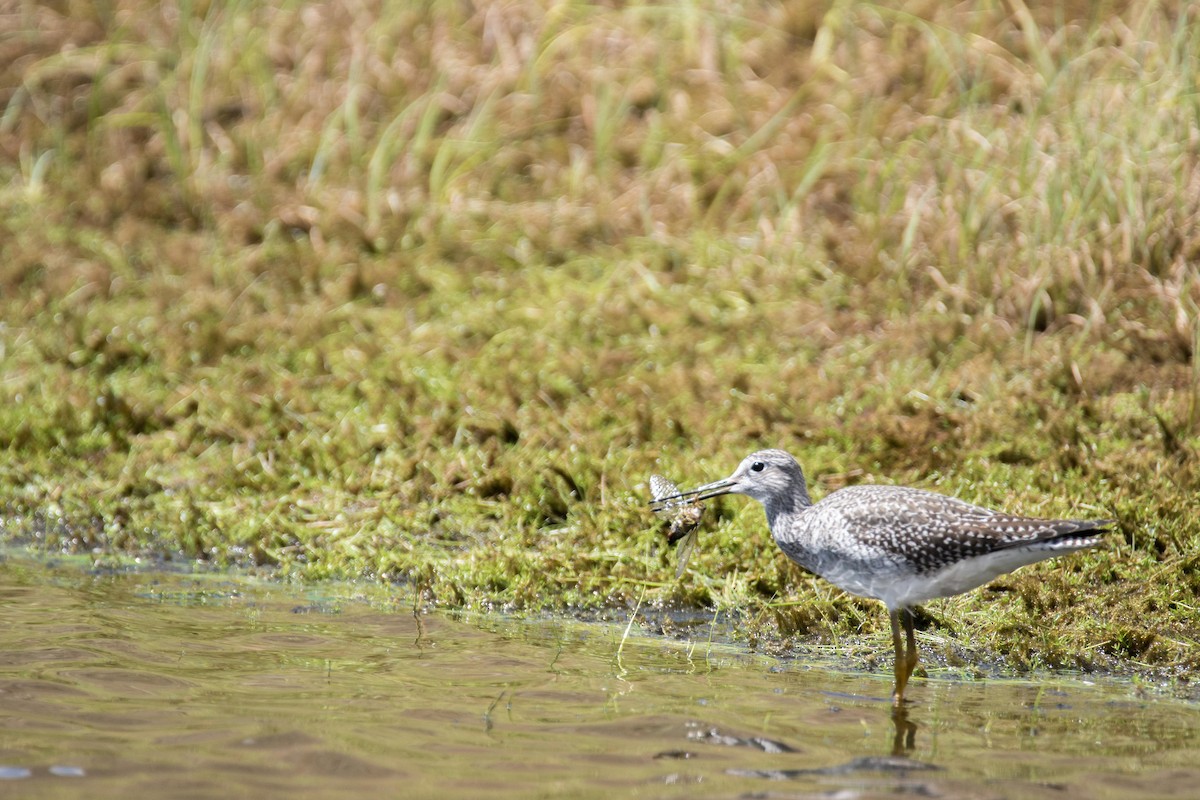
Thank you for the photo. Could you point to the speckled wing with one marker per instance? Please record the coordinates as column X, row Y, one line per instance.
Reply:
column 930, row 531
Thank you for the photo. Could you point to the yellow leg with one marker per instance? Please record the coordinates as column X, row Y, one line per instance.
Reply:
column 912, row 641
column 906, row 651
column 901, row 659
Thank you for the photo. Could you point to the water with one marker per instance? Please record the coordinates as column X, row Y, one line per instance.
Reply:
column 176, row 686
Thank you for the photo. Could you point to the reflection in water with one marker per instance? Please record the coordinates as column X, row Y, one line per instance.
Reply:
column 186, row 686
column 419, row 620
column 487, row 716
column 897, row 763
column 712, row 735
column 906, row 731
column 896, row 766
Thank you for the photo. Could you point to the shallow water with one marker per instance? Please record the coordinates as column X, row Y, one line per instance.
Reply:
column 177, row 686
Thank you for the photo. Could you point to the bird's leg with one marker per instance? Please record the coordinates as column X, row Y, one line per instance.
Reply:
column 906, row 651
column 901, row 660
column 912, row 641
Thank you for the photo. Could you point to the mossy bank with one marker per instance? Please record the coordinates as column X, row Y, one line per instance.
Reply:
column 424, row 292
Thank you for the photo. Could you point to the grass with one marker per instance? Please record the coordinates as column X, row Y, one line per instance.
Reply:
column 424, row 293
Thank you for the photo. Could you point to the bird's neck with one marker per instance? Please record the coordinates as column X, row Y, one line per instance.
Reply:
column 781, row 507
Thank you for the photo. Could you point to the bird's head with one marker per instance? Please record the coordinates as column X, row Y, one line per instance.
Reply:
column 772, row 477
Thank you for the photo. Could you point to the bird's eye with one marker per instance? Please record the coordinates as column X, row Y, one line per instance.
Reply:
column 758, row 466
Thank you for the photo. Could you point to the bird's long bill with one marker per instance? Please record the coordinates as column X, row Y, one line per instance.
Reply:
column 705, row 492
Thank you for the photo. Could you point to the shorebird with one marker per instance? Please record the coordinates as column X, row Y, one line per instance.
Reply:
column 899, row 545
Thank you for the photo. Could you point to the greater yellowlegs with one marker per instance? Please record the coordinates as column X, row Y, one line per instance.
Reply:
column 899, row 545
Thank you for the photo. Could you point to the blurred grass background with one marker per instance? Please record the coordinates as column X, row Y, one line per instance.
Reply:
column 424, row 291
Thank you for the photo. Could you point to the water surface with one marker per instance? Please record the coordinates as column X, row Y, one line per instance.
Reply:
column 186, row 686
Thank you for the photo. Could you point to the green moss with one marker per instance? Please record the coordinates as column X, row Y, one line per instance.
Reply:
column 404, row 295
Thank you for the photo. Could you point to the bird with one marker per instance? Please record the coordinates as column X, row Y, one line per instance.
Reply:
column 900, row 545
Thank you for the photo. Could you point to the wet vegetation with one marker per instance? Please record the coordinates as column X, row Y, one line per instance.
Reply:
column 424, row 292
